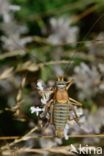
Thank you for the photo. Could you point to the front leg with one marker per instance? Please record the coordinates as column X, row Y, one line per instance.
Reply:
column 51, row 114
column 70, row 82
column 47, row 107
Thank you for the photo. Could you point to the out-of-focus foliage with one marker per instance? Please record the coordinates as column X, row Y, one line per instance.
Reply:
column 43, row 39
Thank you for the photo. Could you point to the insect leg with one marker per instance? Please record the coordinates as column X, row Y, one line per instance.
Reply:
column 47, row 107
column 66, row 130
column 76, row 118
column 51, row 114
column 74, row 102
column 69, row 84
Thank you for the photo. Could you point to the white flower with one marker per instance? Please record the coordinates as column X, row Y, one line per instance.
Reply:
column 62, row 31
column 45, row 97
column 87, row 79
column 40, row 85
column 14, row 7
column 36, row 110
column 79, row 111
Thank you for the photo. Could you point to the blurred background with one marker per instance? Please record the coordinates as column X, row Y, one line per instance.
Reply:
column 41, row 40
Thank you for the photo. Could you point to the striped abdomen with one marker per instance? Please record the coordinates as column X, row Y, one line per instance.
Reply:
column 60, row 117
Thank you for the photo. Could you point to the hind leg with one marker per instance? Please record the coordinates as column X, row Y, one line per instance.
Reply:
column 66, row 130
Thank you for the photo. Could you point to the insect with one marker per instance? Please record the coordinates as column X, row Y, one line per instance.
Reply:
column 59, row 105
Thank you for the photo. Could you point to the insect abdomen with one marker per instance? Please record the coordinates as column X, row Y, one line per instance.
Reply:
column 60, row 117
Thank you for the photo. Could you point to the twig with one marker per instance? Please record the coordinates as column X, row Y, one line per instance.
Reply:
column 56, row 11
column 66, row 150
column 12, row 54
column 84, row 14
column 19, row 98
column 18, row 140
column 6, row 73
column 9, row 137
column 60, row 150
column 55, row 62
column 29, row 66
column 45, row 41
column 26, row 137
column 84, row 57
column 63, row 9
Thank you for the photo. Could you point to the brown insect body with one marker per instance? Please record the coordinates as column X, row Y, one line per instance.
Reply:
column 60, row 105
column 60, row 108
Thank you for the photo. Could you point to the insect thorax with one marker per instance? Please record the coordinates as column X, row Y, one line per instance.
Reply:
column 61, row 96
